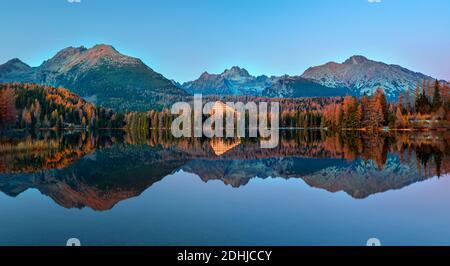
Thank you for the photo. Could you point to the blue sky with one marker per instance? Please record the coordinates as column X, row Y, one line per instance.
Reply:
column 182, row 38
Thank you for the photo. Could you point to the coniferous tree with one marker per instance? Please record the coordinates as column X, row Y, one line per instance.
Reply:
column 417, row 94
column 399, row 118
column 381, row 103
column 437, row 100
column 423, row 105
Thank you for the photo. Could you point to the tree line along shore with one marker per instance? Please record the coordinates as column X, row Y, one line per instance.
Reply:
column 427, row 107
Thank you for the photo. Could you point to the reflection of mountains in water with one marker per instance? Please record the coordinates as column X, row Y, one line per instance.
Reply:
column 117, row 171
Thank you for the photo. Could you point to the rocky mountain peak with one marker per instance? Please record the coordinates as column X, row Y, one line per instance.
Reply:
column 70, row 57
column 364, row 76
column 103, row 50
column 62, row 58
column 16, row 64
column 13, row 68
column 114, row 80
column 69, row 51
column 15, row 61
column 204, row 75
column 233, row 81
column 104, row 47
column 356, row 59
column 236, row 72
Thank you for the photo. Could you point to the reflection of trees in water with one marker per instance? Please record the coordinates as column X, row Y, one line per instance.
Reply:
column 426, row 154
column 429, row 149
column 49, row 150
column 353, row 145
column 126, row 163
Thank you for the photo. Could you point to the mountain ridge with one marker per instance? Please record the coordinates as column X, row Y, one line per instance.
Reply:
column 356, row 76
column 363, row 76
column 114, row 80
column 104, row 76
column 232, row 81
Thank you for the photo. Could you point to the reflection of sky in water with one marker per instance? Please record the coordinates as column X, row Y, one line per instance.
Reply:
column 181, row 209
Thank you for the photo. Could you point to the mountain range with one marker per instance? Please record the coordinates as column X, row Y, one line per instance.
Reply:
column 101, row 75
column 114, row 172
column 237, row 81
column 364, row 76
column 233, row 81
column 106, row 77
column 356, row 76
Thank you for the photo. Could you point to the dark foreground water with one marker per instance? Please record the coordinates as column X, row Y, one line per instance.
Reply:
column 315, row 188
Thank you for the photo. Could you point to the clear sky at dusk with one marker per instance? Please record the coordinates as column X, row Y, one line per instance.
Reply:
column 181, row 38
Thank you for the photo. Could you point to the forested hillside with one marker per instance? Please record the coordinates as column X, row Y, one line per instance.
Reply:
column 31, row 106
column 34, row 106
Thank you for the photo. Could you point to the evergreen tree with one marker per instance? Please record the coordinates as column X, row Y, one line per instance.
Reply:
column 423, row 105
column 437, row 100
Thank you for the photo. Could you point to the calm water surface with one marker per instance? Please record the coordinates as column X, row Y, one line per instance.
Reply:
column 145, row 188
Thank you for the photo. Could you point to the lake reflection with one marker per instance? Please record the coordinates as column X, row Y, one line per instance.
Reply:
column 98, row 170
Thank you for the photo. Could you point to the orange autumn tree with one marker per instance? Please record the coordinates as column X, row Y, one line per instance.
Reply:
column 8, row 111
column 40, row 106
column 353, row 113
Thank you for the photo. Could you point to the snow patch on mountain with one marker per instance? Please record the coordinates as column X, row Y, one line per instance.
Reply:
column 233, row 81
